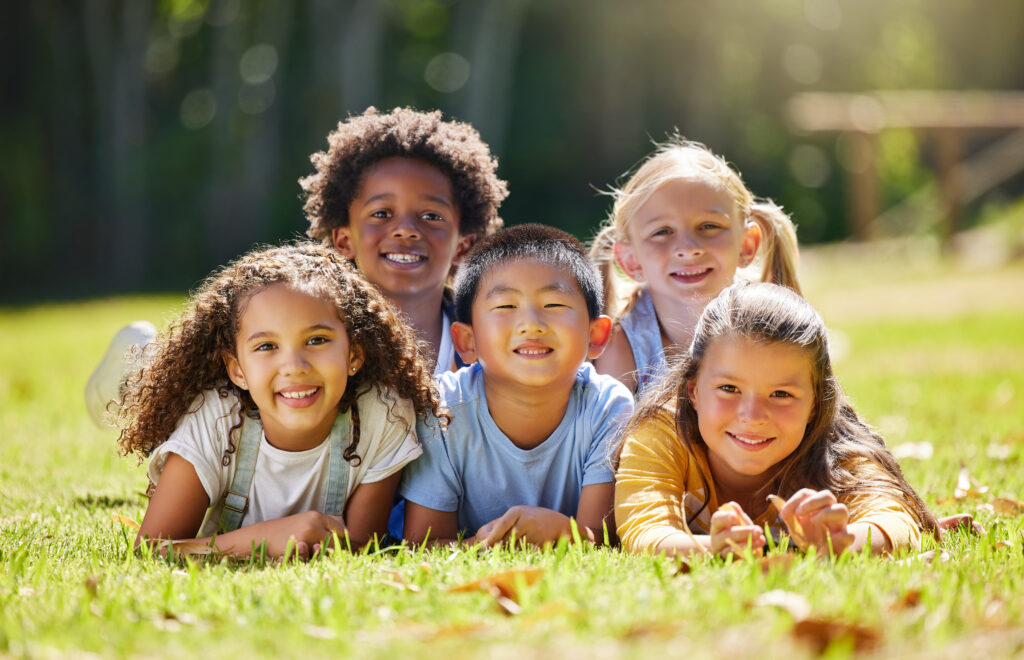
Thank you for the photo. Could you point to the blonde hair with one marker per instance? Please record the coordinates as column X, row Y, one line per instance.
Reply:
column 679, row 158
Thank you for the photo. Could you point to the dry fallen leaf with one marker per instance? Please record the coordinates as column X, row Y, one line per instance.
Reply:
column 821, row 633
column 929, row 557
column 911, row 598
column 967, row 486
column 506, row 582
column 124, row 520
column 187, row 547
column 1008, row 506
column 397, row 580
column 780, row 562
column 797, row 605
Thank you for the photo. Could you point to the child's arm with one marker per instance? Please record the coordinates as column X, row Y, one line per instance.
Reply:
column 367, row 509
column 177, row 508
column 618, row 360
column 423, row 523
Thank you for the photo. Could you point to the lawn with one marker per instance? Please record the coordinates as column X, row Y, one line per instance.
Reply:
column 932, row 352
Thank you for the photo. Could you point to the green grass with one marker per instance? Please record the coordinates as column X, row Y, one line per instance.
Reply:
column 71, row 585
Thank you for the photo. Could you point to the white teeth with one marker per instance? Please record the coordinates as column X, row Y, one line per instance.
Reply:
column 533, row 351
column 299, row 395
column 691, row 273
column 748, row 441
column 403, row 258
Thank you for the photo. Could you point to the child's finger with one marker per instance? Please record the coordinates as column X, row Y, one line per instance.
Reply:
column 788, row 509
column 499, row 528
column 334, row 524
column 722, row 520
column 815, row 501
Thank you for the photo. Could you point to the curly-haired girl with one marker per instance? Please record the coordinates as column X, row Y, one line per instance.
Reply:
column 754, row 410
column 280, row 407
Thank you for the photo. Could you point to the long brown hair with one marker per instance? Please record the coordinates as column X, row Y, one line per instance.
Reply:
column 186, row 362
column 839, row 451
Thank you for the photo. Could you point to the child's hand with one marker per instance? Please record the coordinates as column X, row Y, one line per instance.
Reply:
column 309, row 530
column 816, row 519
column 532, row 524
column 732, row 531
column 960, row 521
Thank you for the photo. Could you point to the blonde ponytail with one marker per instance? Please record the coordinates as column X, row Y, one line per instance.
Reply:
column 778, row 244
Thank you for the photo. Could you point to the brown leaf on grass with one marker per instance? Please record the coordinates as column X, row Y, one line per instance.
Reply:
column 821, row 633
column 682, row 568
column 1008, row 506
column 796, row 604
column 126, row 521
column 1004, row 544
column 780, row 562
column 187, row 547
column 397, row 580
column 92, row 583
column 506, row 582
column 967, row 486
column 911, row 598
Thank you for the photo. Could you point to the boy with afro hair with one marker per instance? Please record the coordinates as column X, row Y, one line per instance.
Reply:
column 404, row 194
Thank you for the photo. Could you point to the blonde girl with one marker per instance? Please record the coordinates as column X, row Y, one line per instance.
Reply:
column 754, row 411
column 680, row 229
column 279, row 409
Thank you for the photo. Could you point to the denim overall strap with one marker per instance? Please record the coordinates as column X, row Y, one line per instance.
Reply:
column 236, row 501
column 338, row 468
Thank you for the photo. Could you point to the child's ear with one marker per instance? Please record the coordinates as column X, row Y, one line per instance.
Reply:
column 626, row 258
column 235, row 371
column 462, row 247
column 464, row 342
column 342, row 240
column 600, row 333
column 751, row 242
column 691, row 390
column 356, row 357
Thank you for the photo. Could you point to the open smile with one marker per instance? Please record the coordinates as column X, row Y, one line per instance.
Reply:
column 690, row 275
column 533, row 351
column 299, row 398
column 404, row 260
column 750, row 442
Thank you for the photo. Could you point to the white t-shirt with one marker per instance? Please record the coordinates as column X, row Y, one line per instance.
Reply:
column 286, row 482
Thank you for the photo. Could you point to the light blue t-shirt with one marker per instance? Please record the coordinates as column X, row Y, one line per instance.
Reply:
column 473, row 468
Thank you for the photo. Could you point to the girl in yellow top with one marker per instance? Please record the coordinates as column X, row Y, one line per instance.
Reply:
column 754, row 410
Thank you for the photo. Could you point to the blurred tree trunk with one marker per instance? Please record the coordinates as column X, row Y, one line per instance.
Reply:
column 359, row 51
column 487, row 33
column 116, row 37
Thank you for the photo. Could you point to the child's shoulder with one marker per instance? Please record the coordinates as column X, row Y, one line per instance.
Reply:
column 601, row 397
column 461, row 386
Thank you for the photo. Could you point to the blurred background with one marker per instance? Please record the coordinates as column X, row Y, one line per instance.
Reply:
column 144, row 142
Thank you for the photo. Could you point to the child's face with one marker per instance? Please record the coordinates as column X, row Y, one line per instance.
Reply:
column 530, row 326
column 294, row 358
column 753, row 403
column 685, row 240
column 403, row 230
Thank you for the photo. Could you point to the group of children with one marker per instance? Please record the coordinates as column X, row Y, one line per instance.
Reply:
column 467, row 381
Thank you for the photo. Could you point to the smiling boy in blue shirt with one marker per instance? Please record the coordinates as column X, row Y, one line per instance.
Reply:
column 533, row 426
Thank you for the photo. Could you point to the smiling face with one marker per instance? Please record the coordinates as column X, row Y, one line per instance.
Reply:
column 530, row 327
column 403, row 230
column 294, row 358
column 753, row 402
column 686, row 241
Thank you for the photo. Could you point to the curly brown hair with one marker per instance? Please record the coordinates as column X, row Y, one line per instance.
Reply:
column 187, row 361
column 359, row 142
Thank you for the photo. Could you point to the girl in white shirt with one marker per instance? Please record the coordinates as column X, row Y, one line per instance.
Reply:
column 279, row 409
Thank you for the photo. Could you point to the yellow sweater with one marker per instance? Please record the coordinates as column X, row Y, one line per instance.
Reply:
column 658, row 488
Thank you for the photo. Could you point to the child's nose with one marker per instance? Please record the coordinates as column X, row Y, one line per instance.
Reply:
column 405, row 226
column 294, row 363
column 751, row 409
column 688, row 246
column 530, row 320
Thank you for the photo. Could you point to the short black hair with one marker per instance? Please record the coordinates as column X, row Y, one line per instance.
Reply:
column 542, row 243
column 362, row 141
